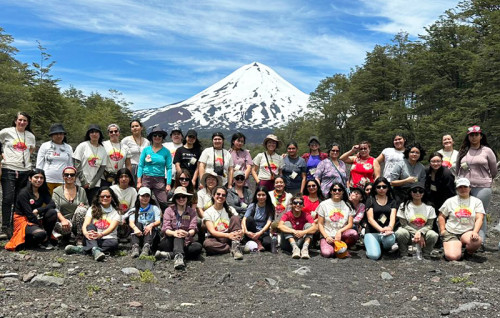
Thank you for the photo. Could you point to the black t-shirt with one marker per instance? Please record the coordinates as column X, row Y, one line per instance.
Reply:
column 381, row 213
column 187, row 158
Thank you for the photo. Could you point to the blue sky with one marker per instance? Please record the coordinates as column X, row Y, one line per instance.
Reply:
column 158, row 52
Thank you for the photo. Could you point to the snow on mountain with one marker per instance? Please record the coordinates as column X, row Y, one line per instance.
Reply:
column 252, row 97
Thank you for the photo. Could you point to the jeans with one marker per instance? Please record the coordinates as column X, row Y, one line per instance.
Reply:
column 106, row 245
column 12, row 182
column 483, row 194
column 374, row 241
column 36, row 234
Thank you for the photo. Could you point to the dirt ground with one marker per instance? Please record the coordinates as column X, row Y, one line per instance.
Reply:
column 38, row 283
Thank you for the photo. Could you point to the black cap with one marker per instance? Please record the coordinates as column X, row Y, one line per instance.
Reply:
column 56, row 129
column 192, row 133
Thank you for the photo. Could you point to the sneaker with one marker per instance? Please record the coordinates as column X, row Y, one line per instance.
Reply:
column 99, row 256
column 394, row 248
column 163, row 255
column 46, row 246
column 179, row 261
column 135, row 251
column 295, row 252
column 146, row 250
column 72, row 249
column 304, row 253
column 236, row 250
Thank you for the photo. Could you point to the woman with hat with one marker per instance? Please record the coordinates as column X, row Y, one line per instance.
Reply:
column 55, row 155
column 460, row 220
column 217, row 159
column 144, row 223
column 478, row 163
column 187, row 156
column 118, row 155
column 179, row 228
column 313, row 157
column 267, row 165
column 364, row 167
column 155, row 167
column 416, row 221
column 209, row 181
column 136, row 144
column 90, row 160
column 239, row 196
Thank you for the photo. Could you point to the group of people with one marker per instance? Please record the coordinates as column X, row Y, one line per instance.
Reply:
column 174, row 199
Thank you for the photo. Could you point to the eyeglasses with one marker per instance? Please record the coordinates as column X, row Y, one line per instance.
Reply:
column 69, row 175
column 382, row 187
column 333, row 150
column 181, row 196
column 157, row 135
column 239, row 178
column 417, row 191
column 337, row 190
column 436, row 161
column 184, row 179
column 111, row 132
column 221, row 194
column 311, row 186
column 298, row 202
column 105, row 196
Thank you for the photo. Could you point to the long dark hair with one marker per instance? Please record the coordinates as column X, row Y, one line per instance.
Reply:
column 138, row 205
column 190, row 187
column 28, row 127
column 270, row 211
column 373, row 192
column 43, row 191
column 319, row 192
column 127, row 172
column 197, row 146
column 464, row 148
column 225, row 205
column 96, row 204
column 345, row 196
column 87, row 136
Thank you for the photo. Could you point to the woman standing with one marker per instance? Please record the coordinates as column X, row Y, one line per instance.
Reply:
column 18, row 144
column 217, row 159
column 477, row 162
column 312, row 197
column 258, row 218
column 155, row 167
column 239, row 196
column 460, row 220
column 391, row 156
column 268, row 164
column 364, row 167
column 34, row 214
column 409, row 171
column 242, row 159
column 187, row 156
column 118, row 155
column 90, row 160
column 381, row 214
column 136, row 144
column 439, row 181
column 294, row 170
column 331, row 170
column 144, row 222
column 450, row 155
column 313, row 157
column 55, row 155
column 335, row 217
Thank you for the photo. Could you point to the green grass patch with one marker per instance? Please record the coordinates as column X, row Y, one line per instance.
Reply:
column 121, row 253
column 81, row 274
column 24, row 252
column 92, row 289
column 61, row 260
column 147, row 258
column 462, row 279
column 146, row 277
column 55, row 274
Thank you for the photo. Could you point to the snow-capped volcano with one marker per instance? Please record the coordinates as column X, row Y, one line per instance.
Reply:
column 252, row 97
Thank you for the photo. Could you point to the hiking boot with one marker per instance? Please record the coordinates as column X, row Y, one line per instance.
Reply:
column 72, row 249
column 163, row 255
column 179, row 261
column 98, row 255
column 236, row 250
column 135, row 251
column 295, row 252
column 304, row 253
column 146, row 250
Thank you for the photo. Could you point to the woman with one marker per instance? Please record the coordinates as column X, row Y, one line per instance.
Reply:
column 450, row 155
column 223, row 226
column 71, row 204
column 118, row 155
column 313, row 157
column 268, row 164
column 280, row 198
column 368, row 189
column 331, row 170
column 297, row 229
column 460, row 220
column 155, row 160
column 186, row 180
column 294, row 170
column 242, row 159
column 209, row 181
column 477, row 162
column 179, row 229
column 99, row 227
column 18, row 143
column 408, row 172
column 416, row 219
column 55, row 155
column 312, row 198
column 90, row 159
column 335, row 217
column 217, row 159
column 391, row 156
column 439, row 181
column 364, row 167
column 258, row 218
column 144, row 222
column 239, row 196
column 176, row 142
column 357, row 198
column 381, row 215
column 136, row 144
column 124, row 189
column 187, row 156
column 34, row 214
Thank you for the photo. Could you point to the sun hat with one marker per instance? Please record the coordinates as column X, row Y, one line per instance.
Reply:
column 56, row 129
column 313, row 138
column 473, row 129
column 210, row 174
column 273, row 138
column 181, row 190
column 157, row 130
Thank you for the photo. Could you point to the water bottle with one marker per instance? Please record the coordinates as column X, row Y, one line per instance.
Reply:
column 274, row 243
column 418, row 248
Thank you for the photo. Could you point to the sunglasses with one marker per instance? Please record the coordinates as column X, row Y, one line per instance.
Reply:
column 221, row 195
column 337, row 190
column 181, row 196
column 69, row 175
column 184, row 179
column 311, row 186
column 239, row 178
column 417, row 191
column 381, row 187
column 298, row 202
column 111, row 132
column 105, row 196
column 333, row 150
column 157, row 135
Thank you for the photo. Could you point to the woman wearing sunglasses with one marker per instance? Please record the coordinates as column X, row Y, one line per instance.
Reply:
column 416, row 221
column 118, row 156
column 313, row 196
column 239, row 196
column 185, row 180
column 381, row 214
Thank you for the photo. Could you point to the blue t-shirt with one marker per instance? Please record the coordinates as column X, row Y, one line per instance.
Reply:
column 312, row 163
column 260, row 216
column 147, row 216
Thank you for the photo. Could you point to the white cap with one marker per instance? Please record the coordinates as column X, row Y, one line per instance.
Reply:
column 462, row 182
column 144, row 190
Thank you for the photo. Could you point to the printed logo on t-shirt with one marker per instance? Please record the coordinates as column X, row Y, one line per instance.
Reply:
column 274, row 168
column 115, row 155
column 93, row 161
column 124, row 206
column 336, row 215
column 221, row 225
column 463, row 212
column 19, row 145
column 418, row 220
column 102, row 224
column 367, row 166
column 446, row 162
column 219, row 161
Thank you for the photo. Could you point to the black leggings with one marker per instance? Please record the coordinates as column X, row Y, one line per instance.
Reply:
column 264, row 238
column 176, row 246
column 36, row 234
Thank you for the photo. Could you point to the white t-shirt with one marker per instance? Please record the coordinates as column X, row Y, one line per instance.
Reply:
column 92, row 159
column 461, row 213
column 449, row 159
column 135, row 149
column 172, row 148
column 220, row 218
column 16, row 148
column 391, row 158
column 280, row 209
column 204, row 199
column 276, row 162
column 126, row 198
column 105, row 221
column 416, row 215
column 53, row 158
column 336, row 215
column 207, row 157
column 117, row 154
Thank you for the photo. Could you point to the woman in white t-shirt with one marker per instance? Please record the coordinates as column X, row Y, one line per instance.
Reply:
column 450, row 155
column 217, row 159
column 391, row 156
column 460, row 220
column 267, row 165
column 416, row 221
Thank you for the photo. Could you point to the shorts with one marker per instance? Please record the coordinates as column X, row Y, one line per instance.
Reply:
column 450, row 237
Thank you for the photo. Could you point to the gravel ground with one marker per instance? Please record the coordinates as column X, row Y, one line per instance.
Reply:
column 39, row 283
